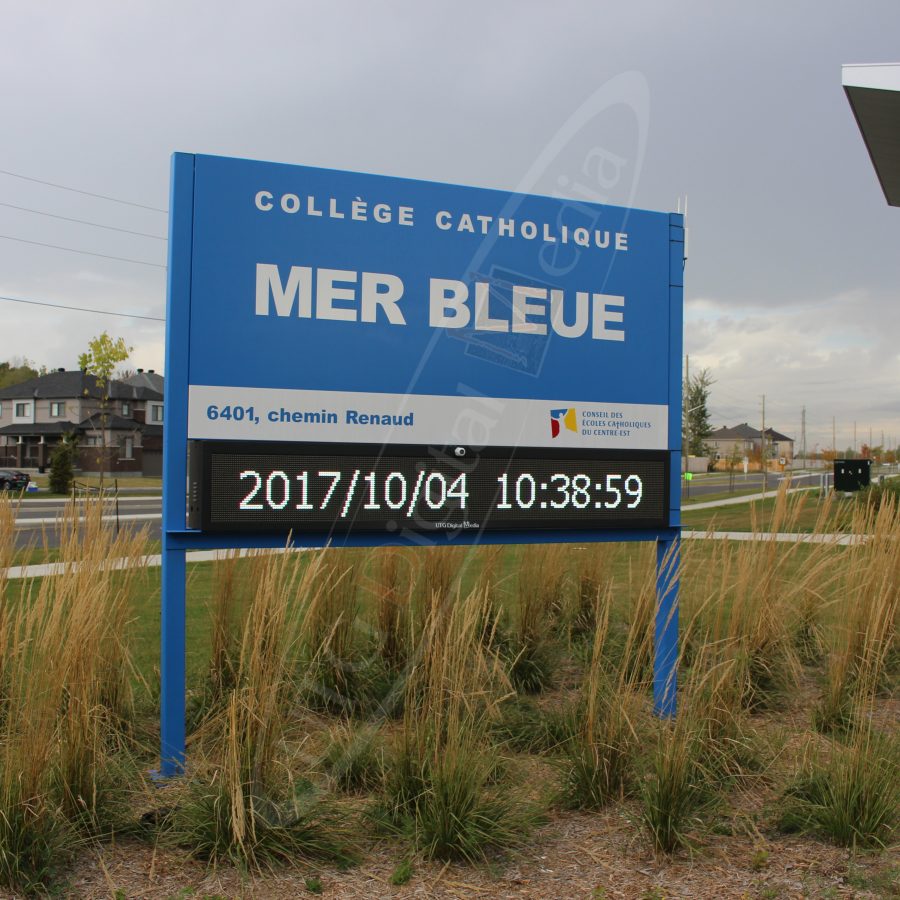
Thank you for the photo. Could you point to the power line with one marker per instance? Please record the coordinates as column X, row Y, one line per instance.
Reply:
column 64, row 187
column 39, row 212
column 102, row 312
column 139, row 262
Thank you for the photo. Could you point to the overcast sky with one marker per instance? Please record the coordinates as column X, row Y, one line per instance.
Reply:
column 793, row 271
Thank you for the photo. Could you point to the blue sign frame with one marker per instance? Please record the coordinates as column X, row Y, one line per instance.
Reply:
column 201, row 342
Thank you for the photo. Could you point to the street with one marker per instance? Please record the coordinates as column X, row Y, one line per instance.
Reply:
column 720, row 483
column 37, row 520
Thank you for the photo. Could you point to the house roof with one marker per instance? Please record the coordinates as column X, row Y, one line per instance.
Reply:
column 71, row 384
column 53, row 385
column 742, row 432
column 151, row 380
column 745, row 432
column 39, row 428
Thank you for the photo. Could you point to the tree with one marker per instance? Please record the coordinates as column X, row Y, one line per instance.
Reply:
column 735, row 458
column 103, row 355
column 15, row 371
column 61, row 466
column 696, row 425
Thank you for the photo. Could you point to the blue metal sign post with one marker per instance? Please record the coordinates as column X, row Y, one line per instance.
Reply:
column 358, row 360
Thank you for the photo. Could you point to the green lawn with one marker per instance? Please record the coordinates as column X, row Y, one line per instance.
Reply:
column 740, row 516
column 37, row 554
column 151, row 483
column 722, row 495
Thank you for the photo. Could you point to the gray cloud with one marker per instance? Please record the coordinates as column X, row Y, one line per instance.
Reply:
column 789, row 232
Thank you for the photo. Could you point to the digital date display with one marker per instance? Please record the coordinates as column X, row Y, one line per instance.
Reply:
column 369, row 488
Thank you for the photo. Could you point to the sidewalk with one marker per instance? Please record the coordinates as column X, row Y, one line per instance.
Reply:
column 153, row 561
column 743, row 498
column 784, row 537
column 196, row 556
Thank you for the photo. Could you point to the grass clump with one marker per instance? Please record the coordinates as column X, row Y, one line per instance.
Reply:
column 244, row 807
column 66, row 721
column 599, row 755
column 531, row 647
column 440, row 786
column 866, row 648
column 591, row 577
column 222, row 821
column 354, row 758
column 394, row 584
column 526, row 727
column 676, row 788
column 402, row 873
column 227, row 607
column 851, row 797
column 334, row 679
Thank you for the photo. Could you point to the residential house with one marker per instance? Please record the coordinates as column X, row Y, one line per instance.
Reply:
column 36, row 414
column 745, row 441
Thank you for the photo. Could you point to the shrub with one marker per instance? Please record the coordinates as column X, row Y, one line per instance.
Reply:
column 61, row 466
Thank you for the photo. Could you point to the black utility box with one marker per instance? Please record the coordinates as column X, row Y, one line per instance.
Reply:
column 852, row 474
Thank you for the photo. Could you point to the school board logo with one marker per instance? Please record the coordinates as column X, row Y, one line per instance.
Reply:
column 564, row 416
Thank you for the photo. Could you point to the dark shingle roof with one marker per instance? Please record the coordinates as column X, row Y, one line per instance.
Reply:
column 39, row 428
column 53, row 385
column 63, row 385
column 151, row 380
column 123, row 390
column 745, row 432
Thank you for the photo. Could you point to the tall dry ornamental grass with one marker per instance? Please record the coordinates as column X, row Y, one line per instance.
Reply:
column 441, row 785
column 393, row 588
column 865, row 654
column 600, row 750
column 67, row 710
column 243, row 806
column 328, row 634
column 539, row 602
column 751, row 601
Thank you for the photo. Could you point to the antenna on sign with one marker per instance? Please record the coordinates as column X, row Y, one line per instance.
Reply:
column 684, row 211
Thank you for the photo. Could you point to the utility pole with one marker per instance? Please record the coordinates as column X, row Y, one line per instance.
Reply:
column 762, row 445
column 803, row 435
column 833, row 440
